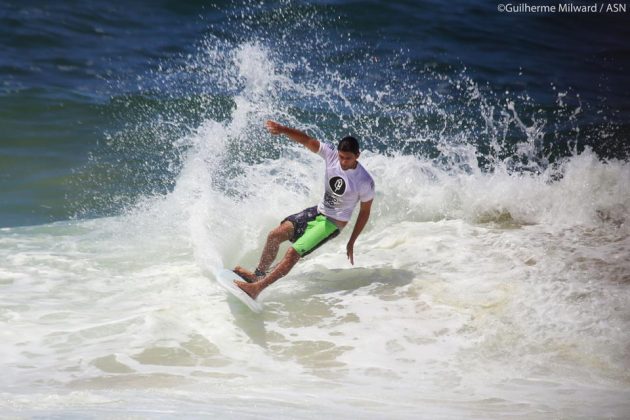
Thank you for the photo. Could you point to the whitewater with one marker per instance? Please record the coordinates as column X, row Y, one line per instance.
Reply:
column 475, row 293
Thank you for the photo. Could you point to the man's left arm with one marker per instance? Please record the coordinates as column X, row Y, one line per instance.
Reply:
column 362, row 219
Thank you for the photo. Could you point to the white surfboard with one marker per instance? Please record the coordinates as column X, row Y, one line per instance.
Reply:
column 226, row 279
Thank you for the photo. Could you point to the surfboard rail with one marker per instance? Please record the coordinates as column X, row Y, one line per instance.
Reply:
column 226, row 279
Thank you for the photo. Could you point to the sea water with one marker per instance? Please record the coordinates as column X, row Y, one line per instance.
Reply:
column 492, row 280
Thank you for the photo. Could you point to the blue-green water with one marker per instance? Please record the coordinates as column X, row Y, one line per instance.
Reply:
column 490, row 282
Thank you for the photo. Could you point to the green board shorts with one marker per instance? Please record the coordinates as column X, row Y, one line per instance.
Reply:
column 311, row 230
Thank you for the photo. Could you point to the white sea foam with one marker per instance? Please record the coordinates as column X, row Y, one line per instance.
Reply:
column 475, row 293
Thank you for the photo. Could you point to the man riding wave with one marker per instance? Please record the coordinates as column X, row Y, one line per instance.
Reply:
column 347, row 183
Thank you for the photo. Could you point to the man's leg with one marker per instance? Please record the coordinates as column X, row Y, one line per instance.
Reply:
column 282, row 269
column 270, row 251
column 274, row 239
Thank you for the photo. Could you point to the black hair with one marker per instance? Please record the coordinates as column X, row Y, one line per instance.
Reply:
column 349, row 144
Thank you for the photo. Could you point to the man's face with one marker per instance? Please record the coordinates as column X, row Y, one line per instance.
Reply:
column 347, row 160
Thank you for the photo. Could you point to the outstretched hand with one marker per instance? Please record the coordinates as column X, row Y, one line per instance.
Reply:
column 293, row 135
column 273, row 127
column 350, row 252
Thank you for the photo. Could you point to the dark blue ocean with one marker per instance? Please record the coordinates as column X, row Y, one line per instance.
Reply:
column 491, row 280
column 95, row 94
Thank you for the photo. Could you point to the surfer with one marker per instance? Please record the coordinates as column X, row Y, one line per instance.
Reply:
column 346, row 184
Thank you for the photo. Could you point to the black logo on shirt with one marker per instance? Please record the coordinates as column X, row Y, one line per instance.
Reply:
column 337, row 185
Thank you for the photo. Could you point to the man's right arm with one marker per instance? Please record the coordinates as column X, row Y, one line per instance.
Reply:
column 296, row 135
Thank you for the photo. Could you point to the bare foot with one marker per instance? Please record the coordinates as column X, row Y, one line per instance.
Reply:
column 251, row 289
column 248, row 276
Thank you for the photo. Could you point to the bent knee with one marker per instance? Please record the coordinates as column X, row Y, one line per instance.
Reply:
column 282, row 233
column 293, row 254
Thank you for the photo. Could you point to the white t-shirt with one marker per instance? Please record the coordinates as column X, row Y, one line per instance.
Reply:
column 343, row 189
